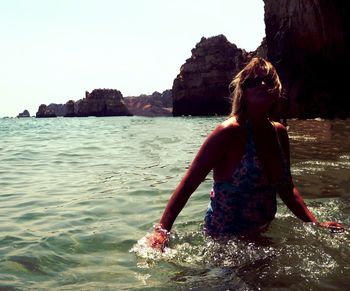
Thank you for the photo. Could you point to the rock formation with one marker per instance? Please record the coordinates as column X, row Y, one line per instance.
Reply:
column 157, row 104
column 45, row 112
column 70, row 109
column 308, row 42
column 102, row 102
column 51, row 110
column 25, row 113
column 201, row 87
column 59, row 109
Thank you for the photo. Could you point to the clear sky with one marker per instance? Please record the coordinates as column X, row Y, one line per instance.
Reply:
column 55, row 50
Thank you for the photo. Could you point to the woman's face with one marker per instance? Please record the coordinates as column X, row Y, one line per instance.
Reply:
column 258, row 93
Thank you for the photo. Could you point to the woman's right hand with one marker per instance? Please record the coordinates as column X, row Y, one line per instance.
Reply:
column 159, row 238
column 332, row 226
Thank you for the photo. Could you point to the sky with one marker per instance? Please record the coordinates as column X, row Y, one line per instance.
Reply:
column 52, row 51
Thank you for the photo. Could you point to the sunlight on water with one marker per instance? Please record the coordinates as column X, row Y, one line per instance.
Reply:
column 306, row 250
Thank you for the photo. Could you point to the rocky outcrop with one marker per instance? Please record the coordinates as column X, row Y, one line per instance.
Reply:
column 308, row 42
column 157, row 104
column 261, row 51
column 25, row 113
column 45, row 112
column 70, row 109
column 59, row 109
column 51, row 110
column 201, row 87
column 102, row 102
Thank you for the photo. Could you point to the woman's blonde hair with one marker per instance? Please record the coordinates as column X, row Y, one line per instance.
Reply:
column 256, row 68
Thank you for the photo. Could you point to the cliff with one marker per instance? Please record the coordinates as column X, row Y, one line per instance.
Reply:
column 201, row 87
column 59, row 109
column 102, row 102
column 157, row 104
column 308, row 42
column 45, row 112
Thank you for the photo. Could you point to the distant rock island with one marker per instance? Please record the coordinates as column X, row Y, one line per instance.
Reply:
column 307, row 41
column 25, row 113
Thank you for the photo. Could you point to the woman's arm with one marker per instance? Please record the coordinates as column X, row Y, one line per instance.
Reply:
column 290, row 194
column 292, row 198
column 210, row 153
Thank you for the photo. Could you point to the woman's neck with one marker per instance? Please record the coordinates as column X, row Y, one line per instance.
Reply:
column 257, row 119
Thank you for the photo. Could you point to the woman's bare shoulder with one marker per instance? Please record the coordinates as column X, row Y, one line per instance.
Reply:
column 230, row 125
column 227, row 130
column 282, row 135
column 280, row 128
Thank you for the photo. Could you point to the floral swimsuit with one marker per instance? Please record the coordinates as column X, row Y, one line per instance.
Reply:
column 247, row 202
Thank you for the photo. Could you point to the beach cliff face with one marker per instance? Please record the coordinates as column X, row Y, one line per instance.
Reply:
column 156, row 104
column 201, row 87
column 308, row 42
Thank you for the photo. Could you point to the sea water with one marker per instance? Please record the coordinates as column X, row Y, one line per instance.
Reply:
column 78, row 195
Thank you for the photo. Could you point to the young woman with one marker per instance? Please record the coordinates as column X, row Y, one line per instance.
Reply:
column 249, row 156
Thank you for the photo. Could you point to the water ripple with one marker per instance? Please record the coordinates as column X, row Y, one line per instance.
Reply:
column 77, row 194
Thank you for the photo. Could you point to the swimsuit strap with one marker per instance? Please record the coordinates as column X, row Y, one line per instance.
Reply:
column 251, row 152
column 248, row 166
column 250, row 144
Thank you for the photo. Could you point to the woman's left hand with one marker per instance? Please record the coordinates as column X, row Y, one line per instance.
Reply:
column 332, row 225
